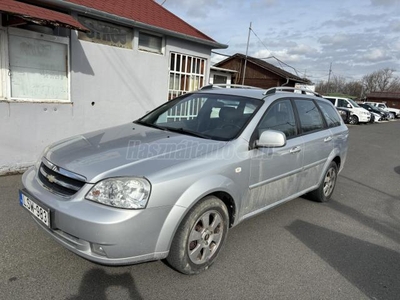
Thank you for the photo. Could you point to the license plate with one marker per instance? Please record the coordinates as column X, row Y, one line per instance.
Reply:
column 42, row 214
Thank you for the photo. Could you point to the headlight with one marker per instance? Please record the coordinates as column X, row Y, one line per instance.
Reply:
column 131, row 193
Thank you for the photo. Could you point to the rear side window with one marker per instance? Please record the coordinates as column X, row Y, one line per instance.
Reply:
column 310, row 117
column 330, row 114
column 331, row 100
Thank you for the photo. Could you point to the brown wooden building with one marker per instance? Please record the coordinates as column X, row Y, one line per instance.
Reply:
column 391, row 99
column 258, row 72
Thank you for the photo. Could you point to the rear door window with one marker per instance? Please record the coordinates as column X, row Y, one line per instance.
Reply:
column 331, row 116
column 309, row 115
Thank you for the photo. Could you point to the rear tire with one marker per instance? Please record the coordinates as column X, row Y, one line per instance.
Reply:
column 324, row 192
column 200, row 237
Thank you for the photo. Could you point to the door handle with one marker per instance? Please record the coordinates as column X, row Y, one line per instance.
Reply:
column 295, row 150
column 328, row 139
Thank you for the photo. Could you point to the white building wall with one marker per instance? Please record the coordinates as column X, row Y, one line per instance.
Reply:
column 109, row 86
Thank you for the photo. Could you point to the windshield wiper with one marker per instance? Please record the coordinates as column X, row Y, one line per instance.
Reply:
column 172, row 129
column 150, row 125
column 188, row 132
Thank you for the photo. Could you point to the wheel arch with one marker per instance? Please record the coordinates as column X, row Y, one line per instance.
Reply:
column 218, row 186
column 337, row 160
column 334, row 157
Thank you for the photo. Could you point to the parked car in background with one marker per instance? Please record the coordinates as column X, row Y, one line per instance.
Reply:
column 373, row 109
column 375, row 117
column 345, row 113
column 360, row 115
column 172, row 183
column 395, row 113
column 372, row 120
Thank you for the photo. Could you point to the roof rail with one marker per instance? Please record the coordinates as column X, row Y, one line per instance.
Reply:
column 225, row 85
column 289, row 89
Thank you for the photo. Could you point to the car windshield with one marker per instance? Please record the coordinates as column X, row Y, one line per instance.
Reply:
column 355, row 104
column 212, row 116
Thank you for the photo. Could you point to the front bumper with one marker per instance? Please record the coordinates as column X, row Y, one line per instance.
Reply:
column 97, row 232
column 364, row 118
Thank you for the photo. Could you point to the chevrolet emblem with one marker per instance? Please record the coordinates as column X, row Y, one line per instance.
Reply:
column 51, row 178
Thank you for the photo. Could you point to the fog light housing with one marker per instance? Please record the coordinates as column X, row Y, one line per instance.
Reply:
column 98, row 249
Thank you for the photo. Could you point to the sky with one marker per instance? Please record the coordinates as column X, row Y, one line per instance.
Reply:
column 357, row 37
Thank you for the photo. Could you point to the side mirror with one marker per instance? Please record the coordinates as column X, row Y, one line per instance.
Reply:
column 349, row 106
column 271, row 139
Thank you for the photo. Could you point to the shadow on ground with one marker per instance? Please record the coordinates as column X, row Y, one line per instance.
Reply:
column 386, row 228
column 96, row 281
column 373, row 269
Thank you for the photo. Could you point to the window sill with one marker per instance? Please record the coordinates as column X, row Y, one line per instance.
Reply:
column 36, row 101
column 150, row 51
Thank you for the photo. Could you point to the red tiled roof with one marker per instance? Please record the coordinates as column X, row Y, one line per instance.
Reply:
column 144, row 11
column 39, row 15
column 391, row 95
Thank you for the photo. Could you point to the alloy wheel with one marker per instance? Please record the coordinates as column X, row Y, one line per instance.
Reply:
column 353, row 120
column 329, row 182
column 205, row 237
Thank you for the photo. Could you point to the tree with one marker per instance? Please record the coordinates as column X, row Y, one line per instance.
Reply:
column 339, row 86
column 381, row 81
column 353, row 88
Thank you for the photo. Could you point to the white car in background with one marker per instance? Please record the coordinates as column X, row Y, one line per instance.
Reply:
column 395, row 113
column 360, row 115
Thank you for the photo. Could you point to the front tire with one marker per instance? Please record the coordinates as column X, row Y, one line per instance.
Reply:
column 324, row 192
column 200, row 237
column 353, row 120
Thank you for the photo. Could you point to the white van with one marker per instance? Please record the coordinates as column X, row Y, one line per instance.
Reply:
column 360, row 115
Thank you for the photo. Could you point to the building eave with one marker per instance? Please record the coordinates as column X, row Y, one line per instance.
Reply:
column 223, row 70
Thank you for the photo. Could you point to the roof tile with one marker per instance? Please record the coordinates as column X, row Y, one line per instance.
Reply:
column 35, row 13
column 144, row 11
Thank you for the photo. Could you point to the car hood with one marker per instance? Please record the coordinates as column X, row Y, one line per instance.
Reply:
column 126, row 150
column 360, row 109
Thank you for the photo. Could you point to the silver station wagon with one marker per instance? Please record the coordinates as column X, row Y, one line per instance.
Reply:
column 172, row 183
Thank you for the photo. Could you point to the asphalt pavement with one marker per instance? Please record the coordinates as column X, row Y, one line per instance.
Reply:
column 348, row 248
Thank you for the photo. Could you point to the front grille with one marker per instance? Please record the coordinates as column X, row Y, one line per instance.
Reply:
column 58, row 183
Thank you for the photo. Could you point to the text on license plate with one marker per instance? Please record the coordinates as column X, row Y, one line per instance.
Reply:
column 39, row 212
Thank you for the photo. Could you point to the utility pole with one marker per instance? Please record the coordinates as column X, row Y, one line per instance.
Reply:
column 247, row 51
column 329, row 77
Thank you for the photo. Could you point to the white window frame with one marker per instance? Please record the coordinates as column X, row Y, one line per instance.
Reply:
column 148, row 49
column 4, row 82
column 180, row 74
column 215, row 76
column 41, row 36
